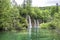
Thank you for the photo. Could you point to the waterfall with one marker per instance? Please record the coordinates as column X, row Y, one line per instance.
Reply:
column 37, row 23
column 36, row 28
column 34, row 23
column 29, row 26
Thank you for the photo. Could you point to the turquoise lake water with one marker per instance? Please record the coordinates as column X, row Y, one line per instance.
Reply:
column 41, row 34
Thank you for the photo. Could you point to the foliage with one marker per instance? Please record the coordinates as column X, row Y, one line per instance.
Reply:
column 48, row 25
column 44, row 25
column 4, row 12
column 14, row 17
column 56, row 20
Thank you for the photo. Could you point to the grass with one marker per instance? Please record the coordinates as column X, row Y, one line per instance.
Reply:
column 43, row 34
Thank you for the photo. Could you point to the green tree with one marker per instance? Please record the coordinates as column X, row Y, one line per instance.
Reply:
column 4, row 10
column 9, row 18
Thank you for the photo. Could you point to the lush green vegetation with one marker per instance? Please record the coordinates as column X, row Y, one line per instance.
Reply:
column 13, row 20
column 14, row 17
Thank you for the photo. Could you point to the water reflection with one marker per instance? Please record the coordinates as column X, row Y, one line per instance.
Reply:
column 40, row 34
column 55, row 35
column 45, row 34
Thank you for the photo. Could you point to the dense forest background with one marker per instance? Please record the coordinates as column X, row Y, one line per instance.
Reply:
column 14, row 17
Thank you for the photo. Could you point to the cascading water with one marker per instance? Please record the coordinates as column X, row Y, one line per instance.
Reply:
column 29, row 27
column 38, row 25
column 35, row 25
column 36, row 28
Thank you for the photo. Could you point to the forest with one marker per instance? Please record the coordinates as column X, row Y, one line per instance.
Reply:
column 14, row 17
column 24, row 22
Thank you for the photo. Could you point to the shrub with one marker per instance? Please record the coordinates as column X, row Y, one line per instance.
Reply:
column 44, row 25
column 47, row 26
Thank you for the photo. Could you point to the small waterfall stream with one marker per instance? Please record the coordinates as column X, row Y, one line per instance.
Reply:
column 37, row 23
column 29, row 27
column 35, row 28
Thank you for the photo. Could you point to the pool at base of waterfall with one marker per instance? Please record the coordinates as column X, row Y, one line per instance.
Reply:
column 41, row 34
